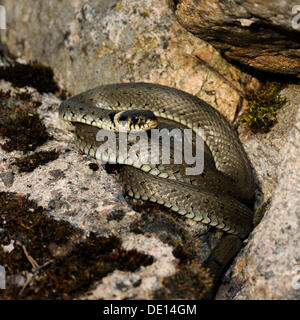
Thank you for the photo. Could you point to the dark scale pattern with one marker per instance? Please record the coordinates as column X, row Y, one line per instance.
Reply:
column 232, row 171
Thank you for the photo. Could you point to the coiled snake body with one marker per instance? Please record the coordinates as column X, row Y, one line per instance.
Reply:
column 218, row 197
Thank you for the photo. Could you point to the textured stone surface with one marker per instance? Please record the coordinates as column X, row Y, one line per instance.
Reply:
column 263, row 149
column 88, row 199
column 89, row 43
column 94, row 201
column 256, row 33
column 268, row 267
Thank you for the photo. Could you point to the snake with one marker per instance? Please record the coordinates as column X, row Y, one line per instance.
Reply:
column 219, row 197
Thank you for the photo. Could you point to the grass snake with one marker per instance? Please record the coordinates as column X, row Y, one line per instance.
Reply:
column 218, row 197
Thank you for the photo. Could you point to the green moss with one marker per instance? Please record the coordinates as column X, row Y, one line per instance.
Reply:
column 260, row 212
column 168, row 226
column 69, row 263
column 20, row 123
column 191, row 281
column 22, row 220
column 263, row 106
column 35, row 75
column 117, row 215
column 94, row 166
column 29, row 163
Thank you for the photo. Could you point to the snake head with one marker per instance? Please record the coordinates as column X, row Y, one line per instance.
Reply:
column 135, row 120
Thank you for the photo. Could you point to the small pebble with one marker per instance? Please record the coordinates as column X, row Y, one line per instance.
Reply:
column 8, row 178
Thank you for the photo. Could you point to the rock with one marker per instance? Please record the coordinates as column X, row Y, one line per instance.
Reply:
column 260, row 34
column 92, row 43
column 111, row 41
column 268, row 267
column 7, row 178
column 70, row 189
column 263, row 149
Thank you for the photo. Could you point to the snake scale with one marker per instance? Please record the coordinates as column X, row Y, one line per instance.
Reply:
column 218, row 197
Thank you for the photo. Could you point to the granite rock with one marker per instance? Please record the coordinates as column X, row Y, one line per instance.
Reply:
column 89, row 43
column 268, row 266
column 255, row 33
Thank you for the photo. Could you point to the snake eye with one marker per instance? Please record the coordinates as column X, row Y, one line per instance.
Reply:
column 135, row 118
column 138, row 119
